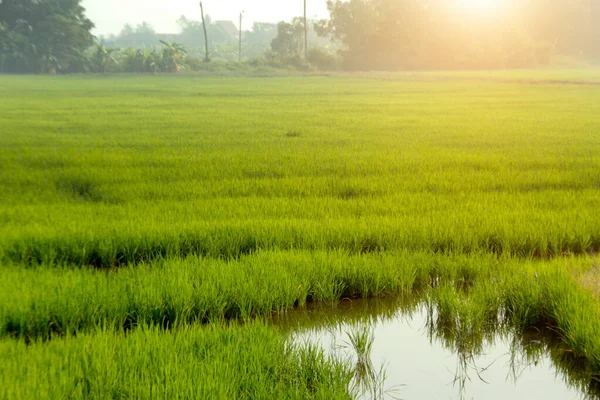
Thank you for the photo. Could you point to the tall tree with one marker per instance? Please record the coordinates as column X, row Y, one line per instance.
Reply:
column 43, row 36
column 289, row 37
column 392, row 34
column 172, row 56
column 101, row 58
column 259, row 39
column 127, row 30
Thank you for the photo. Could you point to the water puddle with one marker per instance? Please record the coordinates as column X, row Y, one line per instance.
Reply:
column 402, row 349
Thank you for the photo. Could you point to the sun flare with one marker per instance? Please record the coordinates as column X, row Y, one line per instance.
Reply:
column 481, row 6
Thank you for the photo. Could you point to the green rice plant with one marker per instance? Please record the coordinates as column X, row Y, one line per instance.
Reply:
column 49, row 301
column 217, row 361
column 93, row 175
column 145, row 205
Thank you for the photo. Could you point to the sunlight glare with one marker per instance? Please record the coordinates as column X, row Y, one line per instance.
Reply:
column 481, row 6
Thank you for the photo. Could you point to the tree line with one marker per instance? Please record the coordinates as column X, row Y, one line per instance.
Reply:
column 54, row 36
column 394, row 34
column 223, row 45
column 43, row 36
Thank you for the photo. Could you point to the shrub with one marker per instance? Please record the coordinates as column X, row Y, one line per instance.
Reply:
column 322, row 59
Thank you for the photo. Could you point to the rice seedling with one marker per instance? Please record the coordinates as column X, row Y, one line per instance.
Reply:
column 146, row 205
column 90, row 177
column 192, row 362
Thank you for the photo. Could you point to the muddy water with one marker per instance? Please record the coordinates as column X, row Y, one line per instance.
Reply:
column 412, row 356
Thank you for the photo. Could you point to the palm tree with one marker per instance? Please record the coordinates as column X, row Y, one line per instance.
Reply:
column 173, row 55
column 135, row 60
column 102, row 58
column 151, row 60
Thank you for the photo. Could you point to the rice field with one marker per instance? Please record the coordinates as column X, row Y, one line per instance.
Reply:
column 142, row 218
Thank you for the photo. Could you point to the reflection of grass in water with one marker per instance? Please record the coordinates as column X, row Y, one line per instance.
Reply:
column 528, row 348
column 467, row 324
column 464, row 323
column 361, row 339
column 368, row 382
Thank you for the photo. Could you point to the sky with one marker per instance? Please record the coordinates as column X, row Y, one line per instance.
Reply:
column 109, row 16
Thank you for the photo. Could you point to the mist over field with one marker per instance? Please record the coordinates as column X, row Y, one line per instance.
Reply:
column 152, row 36
column 163, row 15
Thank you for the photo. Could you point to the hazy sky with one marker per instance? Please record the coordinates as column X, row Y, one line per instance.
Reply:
column 110, row 15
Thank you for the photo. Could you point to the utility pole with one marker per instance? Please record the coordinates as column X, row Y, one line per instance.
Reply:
column 240, row 52
column 305, row 33
column 206, row 58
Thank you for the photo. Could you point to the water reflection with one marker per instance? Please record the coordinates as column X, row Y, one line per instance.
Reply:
column 368, row 381
column 410, row 349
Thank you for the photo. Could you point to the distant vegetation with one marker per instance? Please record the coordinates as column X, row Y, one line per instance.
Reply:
column 441, row 34
column 54, row 37
column 43, row 36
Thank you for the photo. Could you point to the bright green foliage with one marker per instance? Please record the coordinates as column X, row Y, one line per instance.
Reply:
column 224, row 199
column 251, row 362
column 42, row 301
column 109, row 171
column 47, row 301
column 473, row 297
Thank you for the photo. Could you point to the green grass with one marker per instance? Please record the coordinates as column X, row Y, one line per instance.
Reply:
column 473, row 298
column 105, row 171
column 47, row 302
column 145, row 211
column 251, row 362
